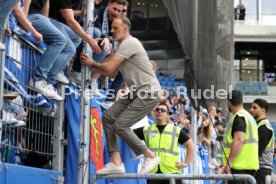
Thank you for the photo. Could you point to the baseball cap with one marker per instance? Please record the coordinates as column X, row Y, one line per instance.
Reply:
column 205, row 112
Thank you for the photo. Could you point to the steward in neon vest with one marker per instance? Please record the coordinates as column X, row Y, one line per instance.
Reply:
column 164, row 138
column 248, row 158
column 164, row 145
column 258, row 110
column 266, row 159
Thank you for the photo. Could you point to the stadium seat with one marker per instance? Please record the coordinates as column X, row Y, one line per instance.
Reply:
column 166, row 79
column 255, row 88
column 169, row 83
column 163, row 83
column 239, row 86
column 263, row 85
column 247, row 87
column 172, row 79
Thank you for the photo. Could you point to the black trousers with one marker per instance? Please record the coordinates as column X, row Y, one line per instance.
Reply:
column 250, row 172
column 261, row 174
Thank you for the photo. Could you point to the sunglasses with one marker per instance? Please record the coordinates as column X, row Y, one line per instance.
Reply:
column 160, row 110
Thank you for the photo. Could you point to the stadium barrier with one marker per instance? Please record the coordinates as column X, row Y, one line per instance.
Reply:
column 32, row 134
column 173, row 177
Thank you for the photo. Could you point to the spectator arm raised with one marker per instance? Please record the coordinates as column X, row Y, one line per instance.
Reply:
column 68, row 15
column 22, row 18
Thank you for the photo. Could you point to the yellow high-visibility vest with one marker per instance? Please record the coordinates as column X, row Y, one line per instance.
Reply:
column 248, row 158
column 164, row 145
column 266, row 159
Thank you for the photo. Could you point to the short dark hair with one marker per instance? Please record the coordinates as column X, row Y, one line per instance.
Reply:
column 122, row 2
column 164, row 102
column 235, row 97
column 125, row 21
column 261, row 103
column 125, row 3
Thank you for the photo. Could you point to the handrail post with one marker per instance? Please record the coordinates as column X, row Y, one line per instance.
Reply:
column 172, row 181
column 173, row 177
column 84, row 133
column 268, row 179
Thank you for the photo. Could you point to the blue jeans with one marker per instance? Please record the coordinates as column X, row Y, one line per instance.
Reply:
column 97, row 57
column 73, row 41
column 116, row 85
column 5, row 9
column 59, row 51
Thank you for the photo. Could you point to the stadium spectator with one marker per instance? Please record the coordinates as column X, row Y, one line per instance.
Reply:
column 133, row 62
column 62, row 11
column 266, row 139
column 220, row 130
column 23, row 20
column 60, row 49
column 5, row 9
column 204, row 132
column 239, row 12
column 164, row 138
column 104, row 17
column 125, row 7
column 220, row 117
column 213, row 114
column 241, row 140
column 118, row 81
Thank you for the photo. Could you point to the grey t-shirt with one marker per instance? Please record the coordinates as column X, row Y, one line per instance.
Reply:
column 137, row 68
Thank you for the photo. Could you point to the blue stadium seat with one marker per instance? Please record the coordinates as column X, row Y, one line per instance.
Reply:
column 169, row 83
column 157, row 73
column 160, row 78
column 172, row 79
column 163, row 83
column 166, row 79
column 255, row 88
column 263, row 85
column 176, row 84
column 247, row 87
column 239, row 86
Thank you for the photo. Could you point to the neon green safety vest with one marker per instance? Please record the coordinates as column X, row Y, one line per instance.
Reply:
column 266, row 159
column 248, row 158
column 164, row 145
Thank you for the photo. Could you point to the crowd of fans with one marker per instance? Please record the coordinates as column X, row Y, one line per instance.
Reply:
column 63, row 34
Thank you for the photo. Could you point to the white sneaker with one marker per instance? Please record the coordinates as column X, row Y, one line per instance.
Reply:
column 47, row 90
column 111, row 168
column 74, row 77
column 62, row 78
column 53, row 92
column 2, row 47
column 8, row 117
column 94, row 89
column 20, row 123
column 107, row 104
column 149, row 165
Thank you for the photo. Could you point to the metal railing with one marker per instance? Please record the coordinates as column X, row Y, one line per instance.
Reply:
column 33, row 139
column 270, row 180
column 173, row 177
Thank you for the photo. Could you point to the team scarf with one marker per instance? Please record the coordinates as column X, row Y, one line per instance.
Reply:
column 105, row 29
